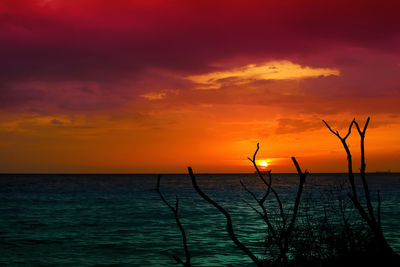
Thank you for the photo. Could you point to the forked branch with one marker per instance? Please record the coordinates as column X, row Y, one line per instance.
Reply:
column 337, row 132
column 363, row 167
column 178, row 222
column 349, row 160
column 369, row 218
column 282, row 236
column 268, row 184
column 264, row 215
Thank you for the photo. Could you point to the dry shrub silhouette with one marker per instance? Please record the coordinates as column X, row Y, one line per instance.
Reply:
column 297, row 236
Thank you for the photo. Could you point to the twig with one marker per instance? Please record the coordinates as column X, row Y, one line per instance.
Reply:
column 263, row 215
column 178, row 222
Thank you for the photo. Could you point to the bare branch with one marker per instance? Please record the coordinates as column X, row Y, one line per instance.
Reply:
column 349, row 160
column 298, row 169
column 330, row 129
column 178, row 222
column 337, row 132
column 268, row 184
column 264, row 216
column 262, row 200
column 229, row 226
column 365, row 127
column 178, row 260
column 255, row 154
column 248, row 191
column 298, row 197
column 360, row 209
column 161, row 195
column 254, row 209
column 349, row 130
column 363, row 167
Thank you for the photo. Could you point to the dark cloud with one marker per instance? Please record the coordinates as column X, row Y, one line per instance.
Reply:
column 111, row 44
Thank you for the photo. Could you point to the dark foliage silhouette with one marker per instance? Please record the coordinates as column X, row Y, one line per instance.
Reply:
column 345, row 232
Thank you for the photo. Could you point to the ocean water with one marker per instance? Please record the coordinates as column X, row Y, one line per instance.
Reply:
column 119, row 220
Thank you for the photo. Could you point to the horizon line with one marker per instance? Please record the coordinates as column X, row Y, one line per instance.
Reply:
column 173, row 173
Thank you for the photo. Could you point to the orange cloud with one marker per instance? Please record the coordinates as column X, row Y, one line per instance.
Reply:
column 103, row 103
column 273, row 70
column 158, row 95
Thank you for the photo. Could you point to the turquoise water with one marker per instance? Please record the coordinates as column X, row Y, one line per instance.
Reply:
column 119, row 220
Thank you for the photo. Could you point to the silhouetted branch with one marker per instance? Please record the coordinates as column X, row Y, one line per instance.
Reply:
column 175, row 212
column 349, row 160
column 298, row 196
column 373, row 224
column 250, row 192
column 229, row 226
column 363, row 167
column 254, row 209
column 283, row 237
column 268, row 184
column 263, row 215
column 337, row 132
column 286, row 233
column 353, row 196
column 360, row 209
column 269, row 188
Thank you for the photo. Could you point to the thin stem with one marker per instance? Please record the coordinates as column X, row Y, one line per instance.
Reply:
column 264, row 216
column 302, row 176
column 178, row 223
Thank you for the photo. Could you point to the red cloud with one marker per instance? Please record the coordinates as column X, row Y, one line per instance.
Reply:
column 62, row 41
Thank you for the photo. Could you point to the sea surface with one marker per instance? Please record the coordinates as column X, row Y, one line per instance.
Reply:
column 119, row 220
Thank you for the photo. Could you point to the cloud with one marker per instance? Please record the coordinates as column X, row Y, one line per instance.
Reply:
column 289, row 125
column 69, row 96
column 274, row 70
column 64, row 40
column 158, row 95
column 56, row 122
column 64, row 57
column 154, row 95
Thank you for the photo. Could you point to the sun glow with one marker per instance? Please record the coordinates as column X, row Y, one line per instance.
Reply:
column 263, row 164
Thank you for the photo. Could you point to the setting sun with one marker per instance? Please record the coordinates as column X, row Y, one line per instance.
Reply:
column 117, row 115
column 263, row 164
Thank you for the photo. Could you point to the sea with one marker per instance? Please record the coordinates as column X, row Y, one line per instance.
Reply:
column 120, row 220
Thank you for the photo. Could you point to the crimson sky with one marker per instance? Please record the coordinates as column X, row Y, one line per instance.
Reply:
column 154, row 86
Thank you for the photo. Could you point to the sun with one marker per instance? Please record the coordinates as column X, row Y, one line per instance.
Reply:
column 263, row 164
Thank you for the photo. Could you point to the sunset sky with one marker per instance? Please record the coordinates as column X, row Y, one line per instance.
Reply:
column 99, row 86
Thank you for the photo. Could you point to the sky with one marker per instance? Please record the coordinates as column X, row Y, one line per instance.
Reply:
column 98, row 86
